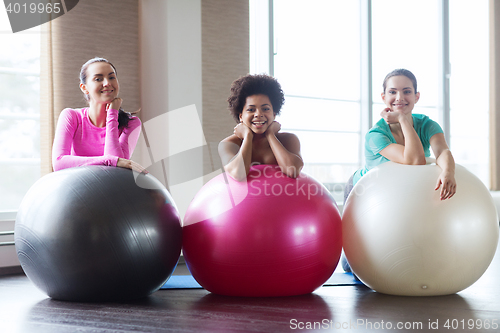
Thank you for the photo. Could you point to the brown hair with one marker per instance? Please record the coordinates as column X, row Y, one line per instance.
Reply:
column 123, row 117
column 399, row 72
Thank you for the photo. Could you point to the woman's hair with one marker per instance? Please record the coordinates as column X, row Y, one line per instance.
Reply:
column 249, row 85
column 403, row 72
column 123, row 117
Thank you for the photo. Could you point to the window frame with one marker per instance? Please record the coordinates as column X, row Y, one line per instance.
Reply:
column 264, row 58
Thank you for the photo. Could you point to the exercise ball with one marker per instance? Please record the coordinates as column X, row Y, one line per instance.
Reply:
column 401, row 239
column 270, row 235
column 98, row 233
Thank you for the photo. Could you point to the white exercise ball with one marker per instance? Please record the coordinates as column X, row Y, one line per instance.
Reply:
column 401, row 239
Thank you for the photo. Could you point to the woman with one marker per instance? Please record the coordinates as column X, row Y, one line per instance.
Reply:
column 255, row 101
column 403, row 137
column 101, row 134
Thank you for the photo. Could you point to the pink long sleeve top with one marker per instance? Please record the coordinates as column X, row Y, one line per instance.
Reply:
column 78, row 142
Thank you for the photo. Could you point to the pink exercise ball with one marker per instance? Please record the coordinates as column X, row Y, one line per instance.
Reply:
column 269, row 236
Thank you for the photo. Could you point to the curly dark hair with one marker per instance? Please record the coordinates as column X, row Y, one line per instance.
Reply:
column 249, row 85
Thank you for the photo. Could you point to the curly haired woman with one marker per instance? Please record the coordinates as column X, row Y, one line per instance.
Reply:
column 254, row 103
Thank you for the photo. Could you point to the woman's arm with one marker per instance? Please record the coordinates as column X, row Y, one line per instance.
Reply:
column 112, row 139
column 286, row 151
column 63, row 142
column 129, row 137
column 412, row 152
column 67, row 126
column 237, row 158
column 446, row 162
column 120, row 144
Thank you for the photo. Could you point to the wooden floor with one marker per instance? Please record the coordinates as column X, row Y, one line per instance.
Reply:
column 23, row 308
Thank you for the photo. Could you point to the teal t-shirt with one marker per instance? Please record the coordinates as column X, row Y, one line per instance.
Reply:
column 380, row 136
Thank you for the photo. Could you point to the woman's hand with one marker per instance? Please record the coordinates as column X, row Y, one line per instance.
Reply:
column 445, row 160
column 391, row 117
column 115, row 104
column 273, row 128
column 449, row 185
column 129, row 164
column 242, row 131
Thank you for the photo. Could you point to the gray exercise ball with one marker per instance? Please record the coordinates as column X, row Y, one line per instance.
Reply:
column 98, row 233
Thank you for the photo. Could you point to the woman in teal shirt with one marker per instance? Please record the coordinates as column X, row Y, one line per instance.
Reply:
column 405, row 138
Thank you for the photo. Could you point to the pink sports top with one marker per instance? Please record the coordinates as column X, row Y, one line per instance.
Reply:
column 78, row 142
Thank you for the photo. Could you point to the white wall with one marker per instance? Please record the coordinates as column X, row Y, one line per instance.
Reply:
column 171, row 78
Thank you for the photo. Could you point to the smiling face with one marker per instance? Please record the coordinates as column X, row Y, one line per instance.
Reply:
column 101, row 84
column 400, row 95
column 257, row 113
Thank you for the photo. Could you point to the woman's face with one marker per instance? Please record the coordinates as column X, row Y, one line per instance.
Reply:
column 102, row 84
column 399, row 95
column 257, row 113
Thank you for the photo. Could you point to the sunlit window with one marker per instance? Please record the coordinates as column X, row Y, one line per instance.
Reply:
column 19, row 113
column 406, row 35
column 316, row 56
column 316, row 59
column 469, row 85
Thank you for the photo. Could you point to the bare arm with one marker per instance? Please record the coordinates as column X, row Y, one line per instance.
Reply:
column 286, row 151
column 235, row 152
column 412, row 152
column 446, row 162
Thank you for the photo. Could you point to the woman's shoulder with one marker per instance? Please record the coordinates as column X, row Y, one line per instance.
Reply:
column 229, row 147
column 420, row 116
column 134, row 122
column 71, row 114
column 426, row 124
column 286, row 136
column 380, row 126
column 422, row 120
column 72, row 111
column 290, row 141
column 232, row 139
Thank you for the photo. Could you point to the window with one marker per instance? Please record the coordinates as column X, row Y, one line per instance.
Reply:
column 319, row 52
column 469, row 86
column 19, row 113
column 316, row 59
column 410, row 40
